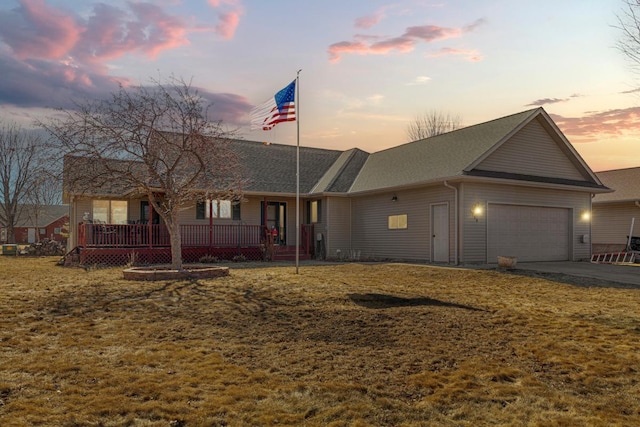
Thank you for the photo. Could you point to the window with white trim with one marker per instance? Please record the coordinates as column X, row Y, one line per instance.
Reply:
column 219, row 209
column 110, row 211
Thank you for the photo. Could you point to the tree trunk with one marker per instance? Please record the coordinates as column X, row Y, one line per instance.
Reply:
column 176, row 243
column 11, row 230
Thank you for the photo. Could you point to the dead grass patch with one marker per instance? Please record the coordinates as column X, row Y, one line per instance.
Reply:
column 336, row 345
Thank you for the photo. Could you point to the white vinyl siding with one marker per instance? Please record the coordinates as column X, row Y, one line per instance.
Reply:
column 337, row 211
column 474, row 233
column 370, row 233
column 532, row 151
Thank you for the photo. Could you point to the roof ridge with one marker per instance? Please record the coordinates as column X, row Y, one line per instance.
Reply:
column 526, row 113
column 350, row 156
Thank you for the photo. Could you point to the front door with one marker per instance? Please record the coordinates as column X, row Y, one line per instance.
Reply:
column 147, row 213
column 276, row 220
column 440, row 233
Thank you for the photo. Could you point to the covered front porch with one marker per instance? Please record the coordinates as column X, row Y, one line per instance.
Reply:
column 117, row 244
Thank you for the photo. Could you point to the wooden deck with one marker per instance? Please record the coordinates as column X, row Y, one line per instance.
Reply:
column 118, row 244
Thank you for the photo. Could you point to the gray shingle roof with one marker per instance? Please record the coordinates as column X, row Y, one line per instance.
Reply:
column 439, row 157
column 624, row 182
column 46, row 215
column 272, row 168
column 340, row 176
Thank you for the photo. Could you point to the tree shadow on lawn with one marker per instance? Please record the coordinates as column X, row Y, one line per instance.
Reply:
column 377, row 301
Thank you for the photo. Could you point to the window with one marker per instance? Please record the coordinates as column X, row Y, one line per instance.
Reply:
column 235, row 214
column 110, row 211
column 43, row 231
column 220, row 208
column 314, row 211
column 397, row 222
column 56, row 230
column 201, row 210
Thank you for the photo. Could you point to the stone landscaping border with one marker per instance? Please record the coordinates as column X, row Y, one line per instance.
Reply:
column 189, row 272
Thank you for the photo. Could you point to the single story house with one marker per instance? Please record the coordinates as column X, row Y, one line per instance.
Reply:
column 35, row 223
column 513, row 186
column 616, row 216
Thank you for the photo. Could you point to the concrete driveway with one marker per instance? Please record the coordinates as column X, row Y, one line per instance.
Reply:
column 625, row 274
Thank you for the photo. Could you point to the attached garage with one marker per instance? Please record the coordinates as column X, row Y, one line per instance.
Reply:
column 531, row 233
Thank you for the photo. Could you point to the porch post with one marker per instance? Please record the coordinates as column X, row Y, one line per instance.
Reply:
column 150, row 225
column 210, row 224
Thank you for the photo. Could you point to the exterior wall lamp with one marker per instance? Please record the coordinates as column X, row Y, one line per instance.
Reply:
column 476, row 212
column 394, row 198
column 586, row 216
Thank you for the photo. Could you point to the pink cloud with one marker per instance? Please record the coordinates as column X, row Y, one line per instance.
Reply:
column 403, row 43
column 366, row 22
column 54, row 56
column 229, row 18
column 430, row 33
column 37, row 30
column 545, row 101
column 336, row 50
column 40, row 31
column 472, row 55
column 595, row 125
column 112, row 32
column 228, row 23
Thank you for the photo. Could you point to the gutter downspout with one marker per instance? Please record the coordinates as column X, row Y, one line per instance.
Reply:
column 455, row 214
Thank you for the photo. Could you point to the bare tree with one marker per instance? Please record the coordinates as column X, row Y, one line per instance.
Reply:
column 44, row 190
column 156, row 141
column 20, row 156
column 432, row 123
column 629, row 24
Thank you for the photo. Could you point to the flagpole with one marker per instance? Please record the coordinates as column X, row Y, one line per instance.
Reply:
column 298, row 228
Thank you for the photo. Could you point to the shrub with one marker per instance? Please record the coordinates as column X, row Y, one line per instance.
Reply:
column 209, row 259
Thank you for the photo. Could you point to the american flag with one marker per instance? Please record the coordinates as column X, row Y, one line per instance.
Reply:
column 279, row 108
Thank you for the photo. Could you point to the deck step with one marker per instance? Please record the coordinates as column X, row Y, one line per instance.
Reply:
column 288, row 253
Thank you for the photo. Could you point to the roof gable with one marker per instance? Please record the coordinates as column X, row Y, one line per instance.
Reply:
column 534, row 151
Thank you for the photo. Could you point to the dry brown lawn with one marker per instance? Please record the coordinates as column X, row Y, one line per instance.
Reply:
column 336, row 345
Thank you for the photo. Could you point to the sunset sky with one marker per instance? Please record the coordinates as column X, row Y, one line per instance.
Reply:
column 368, row 67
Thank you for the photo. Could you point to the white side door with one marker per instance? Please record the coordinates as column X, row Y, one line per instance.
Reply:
column 440, row 233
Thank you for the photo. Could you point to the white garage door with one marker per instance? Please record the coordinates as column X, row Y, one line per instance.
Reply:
column 531, row 233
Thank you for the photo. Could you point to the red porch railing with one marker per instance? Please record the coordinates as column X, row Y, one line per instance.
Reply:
column 114, row 243
column 156, row 235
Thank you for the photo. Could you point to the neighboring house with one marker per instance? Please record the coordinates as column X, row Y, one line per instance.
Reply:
column 615, row 213
column 513, row 186
column 34, row 224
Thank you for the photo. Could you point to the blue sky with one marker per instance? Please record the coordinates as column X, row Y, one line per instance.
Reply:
column 368, row 67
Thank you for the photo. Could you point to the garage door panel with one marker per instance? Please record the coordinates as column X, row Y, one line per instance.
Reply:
column 531, row 233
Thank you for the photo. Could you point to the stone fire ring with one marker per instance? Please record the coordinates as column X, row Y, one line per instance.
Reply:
column 189, row 272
